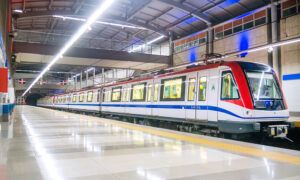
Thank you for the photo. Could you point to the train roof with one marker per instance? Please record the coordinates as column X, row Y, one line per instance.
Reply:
column 243, row 64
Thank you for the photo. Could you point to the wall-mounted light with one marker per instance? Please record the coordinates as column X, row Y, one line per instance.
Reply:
column 18, row 10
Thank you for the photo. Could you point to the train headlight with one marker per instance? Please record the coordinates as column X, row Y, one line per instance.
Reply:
column 286, row 130
column 272, row 131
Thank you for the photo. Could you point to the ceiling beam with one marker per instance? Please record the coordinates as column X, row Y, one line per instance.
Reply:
column 187, row 10
column 97, row 54
column 70, row 13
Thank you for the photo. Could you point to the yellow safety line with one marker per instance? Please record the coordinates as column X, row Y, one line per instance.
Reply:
column 221, row 145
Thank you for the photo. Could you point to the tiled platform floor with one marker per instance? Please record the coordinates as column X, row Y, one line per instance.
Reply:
column 46, row 144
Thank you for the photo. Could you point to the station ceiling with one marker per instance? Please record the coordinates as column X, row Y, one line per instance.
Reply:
column 42, row 22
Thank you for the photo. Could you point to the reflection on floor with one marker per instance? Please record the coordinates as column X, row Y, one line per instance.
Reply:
column 45, row 144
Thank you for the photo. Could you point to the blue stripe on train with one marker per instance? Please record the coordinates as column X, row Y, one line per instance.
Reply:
column 196, row 107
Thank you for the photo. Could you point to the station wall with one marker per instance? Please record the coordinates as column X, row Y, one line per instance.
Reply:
column 290, row 60
column 255, row 37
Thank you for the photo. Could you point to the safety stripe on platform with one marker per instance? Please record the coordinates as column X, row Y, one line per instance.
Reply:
column 220, row 145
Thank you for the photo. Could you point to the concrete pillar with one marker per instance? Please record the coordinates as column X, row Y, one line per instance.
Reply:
column 103, row 76
column 94, row 76
column 75, row 82
column 81, row 80
column 210, row 41
column 275, row 31
column 171, row 48
column 86, row 78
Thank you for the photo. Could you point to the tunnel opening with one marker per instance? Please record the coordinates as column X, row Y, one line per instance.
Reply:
column 32, row 99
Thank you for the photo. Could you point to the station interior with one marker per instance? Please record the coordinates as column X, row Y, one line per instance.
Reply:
column 149, row 89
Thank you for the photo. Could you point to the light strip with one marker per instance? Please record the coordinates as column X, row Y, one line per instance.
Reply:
column 54, row 72
column 99, row 22
column 103, row 7
column 148, row 43
column 90, row 69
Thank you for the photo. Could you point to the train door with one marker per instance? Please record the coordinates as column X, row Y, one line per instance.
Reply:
column 213, row 94
column 149, row 97
column 156, row 97
column 191, row 91
column 201, row 96
column 99, row 99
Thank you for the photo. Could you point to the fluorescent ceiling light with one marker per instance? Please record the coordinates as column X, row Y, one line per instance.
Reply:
column 90, row 69
column 102, row 8
column 148, row 43
column 99, row 22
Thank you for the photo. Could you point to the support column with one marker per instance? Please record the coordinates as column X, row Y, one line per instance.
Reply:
column 94, row 76
column 210, row 40
column 86, row 78
column 171, row 48
column 274, row 27
column 81, row 80
column 103, row 76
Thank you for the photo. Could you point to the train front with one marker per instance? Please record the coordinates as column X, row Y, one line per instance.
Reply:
column 269, row 111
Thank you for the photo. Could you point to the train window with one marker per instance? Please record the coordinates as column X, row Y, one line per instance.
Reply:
column 173, row 89
column 116, row 94
column 155, row 97
column 138, row 92
column 81, row 97
column 124, row 94
column 202, row 89
column 149, row 92
column 192, row 84
column 74, row 99
column 128, row 95
column 90, row 96
column 229, row 88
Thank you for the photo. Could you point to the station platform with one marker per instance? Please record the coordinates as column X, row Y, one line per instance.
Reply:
column 41, row 143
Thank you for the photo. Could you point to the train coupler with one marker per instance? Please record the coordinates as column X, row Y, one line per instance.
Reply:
column 278, row 131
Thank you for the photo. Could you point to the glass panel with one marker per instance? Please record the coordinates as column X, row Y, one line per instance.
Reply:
column 289, row 12
column 90, row 96
column 138, row 92
column 192, row 85
column 172, row 89
column 202, row 89
column 219, row 35
column 116, row 95
column 248, row 25
column 263, row 85
column 227, row 32
column 155, row 97
column 229, row 88
column 81, row 97
column 237, row 29
column 124, row 94
column 260, row 21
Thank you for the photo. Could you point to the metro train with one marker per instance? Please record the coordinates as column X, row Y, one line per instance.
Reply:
column 232, row 97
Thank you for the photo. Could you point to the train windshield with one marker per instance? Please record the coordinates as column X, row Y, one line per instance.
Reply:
column 263, row 86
